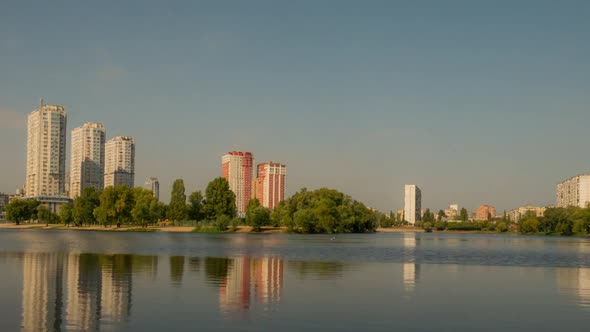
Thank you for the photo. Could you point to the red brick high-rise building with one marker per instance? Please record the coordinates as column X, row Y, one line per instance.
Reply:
column 483, row 211
column 270, row 188
column 236, row 168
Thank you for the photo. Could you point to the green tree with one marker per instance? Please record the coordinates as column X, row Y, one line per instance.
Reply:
column 441, row 215
column 21, row 210
column 115, row 206
column 196, row 209
column 428, row 216
column 222, row 222
column 464, row 215
column 43, row 214
column 427, row 226
column 219, row 201
column 66, row 214
column 257, row 215
column 84, row 205
column 529, row 225
column 502, row 227
column 177, row 209
column 143, row 211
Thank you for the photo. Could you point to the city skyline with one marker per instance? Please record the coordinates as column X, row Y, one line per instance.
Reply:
column 468, row 101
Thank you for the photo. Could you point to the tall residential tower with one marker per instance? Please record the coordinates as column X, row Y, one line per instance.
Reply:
column 46, row 151
column 237, row 168
column 412, row 204
column 574, row 191
column 270, row 188
column 87, row 158
column 119, row 166
column 153, row 184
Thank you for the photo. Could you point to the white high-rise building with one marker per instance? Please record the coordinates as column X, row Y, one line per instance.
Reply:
column 153, row 184
column 119, row 166
column 87, row 158
column 412, row 204
column 46, row 151
column 574, row 191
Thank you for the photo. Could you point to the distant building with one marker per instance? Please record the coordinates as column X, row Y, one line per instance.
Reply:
column 483, row 211
column 153, row 184
column 46, row 151
column 119, row 166
column 412, row 204
column 87, row 158
column 3, row 201
column 452, row 212
column 516, row 214
column 52, row 203
column 270, row 188
column 237, row 169
column 574, row 191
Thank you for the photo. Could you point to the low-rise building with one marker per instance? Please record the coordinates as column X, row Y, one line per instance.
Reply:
column 516, row 214
column 452, row 212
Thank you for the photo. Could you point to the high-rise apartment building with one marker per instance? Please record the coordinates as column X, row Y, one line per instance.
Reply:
column 485, row 211
column 46, row 151
column 153, row 184
column 270, row 188
column 574, row 191
column 119, row 166
column 237, row 169
column 87, row 158
column 452, row 211
column 412, row 204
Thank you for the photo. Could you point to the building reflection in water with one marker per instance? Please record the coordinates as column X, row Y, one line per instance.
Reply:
column 411, row 270
column 247, row 279
column 575, row 282
column 97, row 289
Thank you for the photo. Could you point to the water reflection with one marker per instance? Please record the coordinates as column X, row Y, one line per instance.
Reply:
column 98, row 288
column 248, row 278
column 575, row 283
column 411, row 270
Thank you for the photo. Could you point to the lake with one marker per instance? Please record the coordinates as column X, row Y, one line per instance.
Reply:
column 79, row 281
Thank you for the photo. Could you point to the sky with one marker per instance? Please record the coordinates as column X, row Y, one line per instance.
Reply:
column 476, row 102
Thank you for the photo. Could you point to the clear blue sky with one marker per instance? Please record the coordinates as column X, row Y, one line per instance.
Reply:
column 477, row 102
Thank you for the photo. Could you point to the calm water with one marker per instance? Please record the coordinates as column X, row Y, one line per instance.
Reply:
column 77, row 281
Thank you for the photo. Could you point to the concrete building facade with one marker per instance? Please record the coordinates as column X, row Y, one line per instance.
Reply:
column 46, row 151
column 87, row 158
column 153, row 184
column 516, row 214
column 412, row 204
column 120, row 162
column 237, row 169
column 574, row 191
column 270, row 188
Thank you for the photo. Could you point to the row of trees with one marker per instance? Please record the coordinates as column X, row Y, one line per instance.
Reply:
column 558, row 221
column 324, row 211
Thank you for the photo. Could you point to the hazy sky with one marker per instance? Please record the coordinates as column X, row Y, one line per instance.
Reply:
column 477, row 102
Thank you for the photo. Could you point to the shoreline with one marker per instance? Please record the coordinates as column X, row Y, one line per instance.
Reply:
column 242, row 229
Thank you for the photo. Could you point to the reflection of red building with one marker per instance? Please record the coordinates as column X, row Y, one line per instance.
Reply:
column 234, row 294
column 265, row 275
column 236, row 168
column 269, row 280
column 270, row 186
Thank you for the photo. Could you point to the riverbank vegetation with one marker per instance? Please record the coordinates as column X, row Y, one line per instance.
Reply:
column 324, row 211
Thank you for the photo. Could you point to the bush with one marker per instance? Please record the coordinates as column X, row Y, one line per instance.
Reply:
column 222, row 222
column 440, row 225
column 464, row 226
column 529, row 225
column 427, row 226
column 502, row 227
column 235, row 222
